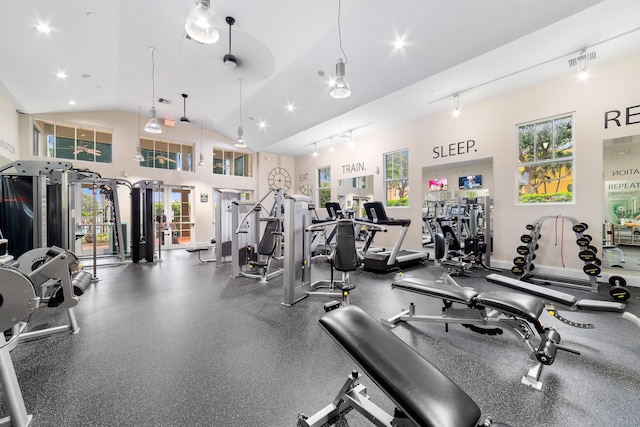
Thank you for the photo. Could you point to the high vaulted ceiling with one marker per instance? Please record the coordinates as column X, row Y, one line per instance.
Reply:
column 287, row 50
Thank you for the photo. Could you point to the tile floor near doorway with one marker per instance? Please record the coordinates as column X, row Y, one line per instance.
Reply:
column 181, row 343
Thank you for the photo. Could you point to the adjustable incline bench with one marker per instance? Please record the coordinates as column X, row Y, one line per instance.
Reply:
column 487, row 313
column 565, row 299
column 423, row 395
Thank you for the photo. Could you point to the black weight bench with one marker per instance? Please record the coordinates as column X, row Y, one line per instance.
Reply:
column 487, row 313
column 199, row 250
column 565, row 299
column 423, row 395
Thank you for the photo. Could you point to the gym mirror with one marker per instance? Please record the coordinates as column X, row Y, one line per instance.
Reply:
column 621, row 227
column 353, row 193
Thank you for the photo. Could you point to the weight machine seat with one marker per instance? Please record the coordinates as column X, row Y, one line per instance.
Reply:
column 426, row 395
column 345, row 256
column 267, row 243
column 450, row 235
column 518, row 305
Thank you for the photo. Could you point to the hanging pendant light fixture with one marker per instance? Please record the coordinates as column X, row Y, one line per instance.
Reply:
column 138, row 156
column 201, row 162
column 240, row 141
column 339, row 87
column 152, row 125
column 199, row 25
column 456, row 105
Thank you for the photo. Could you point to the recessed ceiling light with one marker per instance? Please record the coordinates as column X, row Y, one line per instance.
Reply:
column 290, row 107
column 43, row 28
column 72, row 102
column 262, row 124
column 399, row 44
column 61, row 75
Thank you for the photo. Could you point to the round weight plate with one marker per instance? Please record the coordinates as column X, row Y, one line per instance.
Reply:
column 522, row 250
column 585, row 225
column 582, row 241
column 617, row 281
column 587, row 255
column 533, row 257
column 619, row 293
column 579, row 228
column 591, row 269
column 531, row 267
column 530, row 227
column 519, row 261
column 597, row 261
column 517, row 270
column 587, row 236
column 592, row 249
column 526, row 238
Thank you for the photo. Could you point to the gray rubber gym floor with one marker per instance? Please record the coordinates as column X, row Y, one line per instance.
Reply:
column 181, row 343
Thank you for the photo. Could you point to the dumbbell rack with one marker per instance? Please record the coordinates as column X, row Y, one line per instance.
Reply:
column 523, row 263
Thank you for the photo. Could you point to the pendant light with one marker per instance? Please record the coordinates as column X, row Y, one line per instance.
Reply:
column 240, row 141
column 138, row 156
column 201, row 162
column 339, row 87
column 199, row 25
column 152, row 125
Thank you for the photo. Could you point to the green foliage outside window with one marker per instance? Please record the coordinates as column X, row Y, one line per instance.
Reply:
column 396, row 166
column 545, row 161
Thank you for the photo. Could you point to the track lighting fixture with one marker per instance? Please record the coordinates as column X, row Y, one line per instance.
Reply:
column 456, row 105
column 315, row 150
column 339, row 87
column 240, row 141
column 152, row 125
column 199, row 25
column 581, row 61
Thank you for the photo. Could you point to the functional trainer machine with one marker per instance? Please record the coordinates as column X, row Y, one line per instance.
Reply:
column 385, row 261
column 422, row 394
column 143, row 229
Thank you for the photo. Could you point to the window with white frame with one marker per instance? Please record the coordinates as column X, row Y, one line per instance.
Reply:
column 324, row 185
column 396, row 178
column 545, row 160
column 161, row 154
column 72, row 141
column 234, row 163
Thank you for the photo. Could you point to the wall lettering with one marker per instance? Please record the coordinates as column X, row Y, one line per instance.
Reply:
column 304, row 177
column 354, row 167
column 632, row 116
column 8, row 147
column 624, row 172
column 454, row 149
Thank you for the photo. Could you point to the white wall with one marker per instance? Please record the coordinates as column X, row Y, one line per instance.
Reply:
column 9, row 146
column 492, row 125
column 126, row 130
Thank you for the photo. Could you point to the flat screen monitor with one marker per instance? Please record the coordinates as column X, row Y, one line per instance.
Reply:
column 470, row 181
column 438, row 184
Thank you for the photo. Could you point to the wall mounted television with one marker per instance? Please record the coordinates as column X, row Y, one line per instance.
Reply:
column 438, row 184
column 469, row 181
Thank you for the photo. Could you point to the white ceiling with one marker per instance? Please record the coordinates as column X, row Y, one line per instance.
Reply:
column 475, row 48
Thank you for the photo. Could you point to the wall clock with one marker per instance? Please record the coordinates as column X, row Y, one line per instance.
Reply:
column 306, row 189
column 279, row 178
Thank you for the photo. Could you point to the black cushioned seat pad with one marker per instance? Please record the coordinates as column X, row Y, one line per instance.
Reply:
column 520, row 305
column 426, row 395
column 425, row 287
column 542, row 292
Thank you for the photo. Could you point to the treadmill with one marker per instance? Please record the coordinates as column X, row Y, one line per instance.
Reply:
column 385, row 261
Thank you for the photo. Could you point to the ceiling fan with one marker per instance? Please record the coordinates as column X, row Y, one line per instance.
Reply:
column 184, row 119
column 230, row 61
column 162, row 159
column 85, row 149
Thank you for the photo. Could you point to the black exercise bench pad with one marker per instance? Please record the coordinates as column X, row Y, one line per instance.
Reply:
column 426, row 395
column 540, row 291
column 425, row 287
column 520, row 305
